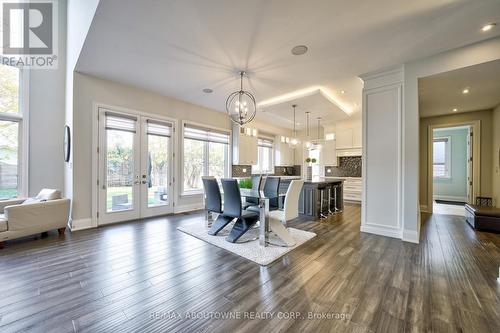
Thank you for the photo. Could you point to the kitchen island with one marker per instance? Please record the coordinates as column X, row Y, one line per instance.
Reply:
column 311, row 195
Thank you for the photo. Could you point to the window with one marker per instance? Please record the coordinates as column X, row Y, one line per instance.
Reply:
column 265, row 156
column 206, row 153
column 11, row 133
column 441, row 157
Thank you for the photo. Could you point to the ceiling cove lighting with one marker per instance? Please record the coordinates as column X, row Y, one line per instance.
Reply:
column 305, row 93
column 488, row 27
column 240, row 105
column 465, row 91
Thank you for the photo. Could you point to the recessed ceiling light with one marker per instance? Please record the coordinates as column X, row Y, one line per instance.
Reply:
column 465, row 91
column 208, row 91
column 488, row 27
column 342, row 92
column 455, row 110
column 299, row 50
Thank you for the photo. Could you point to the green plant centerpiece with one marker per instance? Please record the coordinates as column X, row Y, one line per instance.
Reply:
column 245, row 183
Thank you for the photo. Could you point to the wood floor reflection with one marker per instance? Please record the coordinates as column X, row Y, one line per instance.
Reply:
column 147, row 276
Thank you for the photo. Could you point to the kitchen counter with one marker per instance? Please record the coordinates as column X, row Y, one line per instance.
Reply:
column 312, row 193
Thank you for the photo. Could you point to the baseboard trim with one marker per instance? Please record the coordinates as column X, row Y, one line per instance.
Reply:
column 381, row 231
column 410, row 236
column 450, row 198
column 188, row 208
column 81, row 224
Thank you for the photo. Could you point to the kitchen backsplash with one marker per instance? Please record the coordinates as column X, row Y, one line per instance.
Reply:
column 287, row 170
column 349, row 166
column 241, row 170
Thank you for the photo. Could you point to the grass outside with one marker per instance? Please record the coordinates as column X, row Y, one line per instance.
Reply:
column 127, row 190
column 7, row 193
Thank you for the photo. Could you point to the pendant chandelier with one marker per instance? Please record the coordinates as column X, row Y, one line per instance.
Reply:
column 294, row 141
column 308, row 143
column 240, row 105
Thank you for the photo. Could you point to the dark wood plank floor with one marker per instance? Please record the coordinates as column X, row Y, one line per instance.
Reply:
column 147, row 276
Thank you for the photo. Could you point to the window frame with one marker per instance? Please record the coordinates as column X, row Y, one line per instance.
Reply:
column 258, row 166
column 447, row 157
column 227, row 166
column 22, row 119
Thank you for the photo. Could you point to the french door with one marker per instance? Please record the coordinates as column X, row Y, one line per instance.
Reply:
column 135, row 167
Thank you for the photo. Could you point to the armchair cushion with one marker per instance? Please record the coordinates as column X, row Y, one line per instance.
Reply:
column 3, row 223
column 31, row 201
column 48, row 194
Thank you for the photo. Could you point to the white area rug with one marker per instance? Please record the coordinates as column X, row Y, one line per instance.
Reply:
column 246, row 247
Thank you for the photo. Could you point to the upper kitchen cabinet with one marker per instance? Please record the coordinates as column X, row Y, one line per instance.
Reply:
column 284, row 154
column 344, row 138
column 349, row 140
column 245, row 148
column 328, row 153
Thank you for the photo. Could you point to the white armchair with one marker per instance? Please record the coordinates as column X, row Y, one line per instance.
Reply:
column 24, row 217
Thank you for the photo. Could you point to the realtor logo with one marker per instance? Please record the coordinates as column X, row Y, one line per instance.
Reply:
column 30, row 33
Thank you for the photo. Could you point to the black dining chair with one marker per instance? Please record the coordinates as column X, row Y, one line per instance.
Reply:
column 256, row 184
column 233, row 209
column 271, row 190
column 213, row 204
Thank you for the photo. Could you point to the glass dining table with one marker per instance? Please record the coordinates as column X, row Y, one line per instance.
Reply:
column 263, row 210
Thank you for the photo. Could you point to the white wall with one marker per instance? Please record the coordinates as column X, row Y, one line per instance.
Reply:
column 79, row 18
column 496, row 156
column 46, row 118
column 90, row 90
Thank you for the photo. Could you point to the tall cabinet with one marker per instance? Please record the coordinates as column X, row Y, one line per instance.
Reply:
column 245, row 148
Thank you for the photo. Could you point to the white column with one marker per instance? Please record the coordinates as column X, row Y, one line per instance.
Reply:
column 382, row 153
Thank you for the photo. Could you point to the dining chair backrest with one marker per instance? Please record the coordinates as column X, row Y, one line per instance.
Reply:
column 291, row 207
column 271, row 189
column 256, row 183
column 232, row 197
column 213, row 200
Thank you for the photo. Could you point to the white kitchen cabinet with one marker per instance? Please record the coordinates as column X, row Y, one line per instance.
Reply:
column 245, row 149
column 284, row 155
column 328, row 153
column 353, row 187
column 344, row 138
column 357, row 137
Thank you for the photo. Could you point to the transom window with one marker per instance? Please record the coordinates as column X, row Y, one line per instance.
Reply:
column 11, row 133
column 265, row 163
column 205, row 153
column 441, row 157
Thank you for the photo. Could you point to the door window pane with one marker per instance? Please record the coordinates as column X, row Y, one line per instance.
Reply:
column 193, row 164
column 119, row 170
column 9, row 89
column 157, row 178
column 9, row 151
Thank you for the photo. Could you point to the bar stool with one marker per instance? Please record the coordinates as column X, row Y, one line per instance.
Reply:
column 329, row 189
column 335, row 188
column 322, row 188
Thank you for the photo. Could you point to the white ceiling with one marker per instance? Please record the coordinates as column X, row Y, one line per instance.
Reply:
column 440, row 94
column 177, row 48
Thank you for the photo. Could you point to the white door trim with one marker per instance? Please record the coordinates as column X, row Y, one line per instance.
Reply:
column 476, row 159
column 95, row 145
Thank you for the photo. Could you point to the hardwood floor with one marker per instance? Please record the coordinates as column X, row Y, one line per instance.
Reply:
column 147, row 276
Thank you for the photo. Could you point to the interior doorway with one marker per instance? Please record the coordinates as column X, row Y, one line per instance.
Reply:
column 452, row 169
